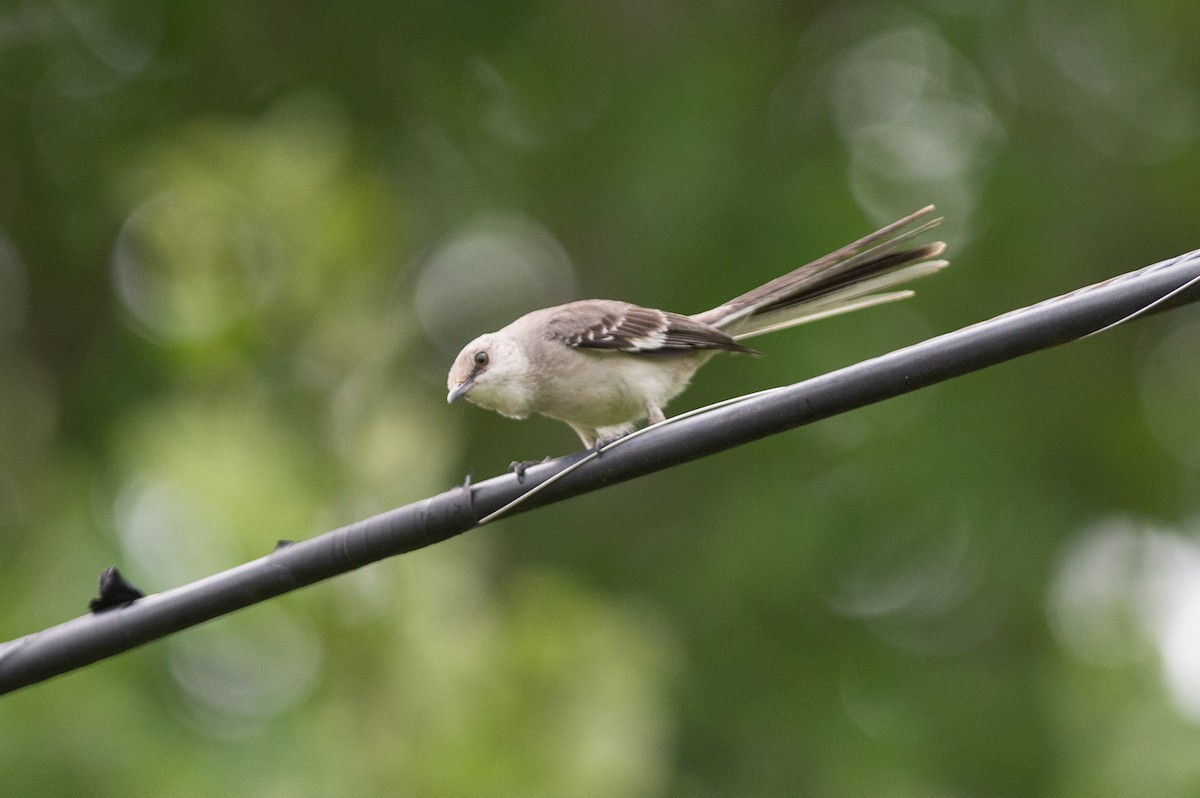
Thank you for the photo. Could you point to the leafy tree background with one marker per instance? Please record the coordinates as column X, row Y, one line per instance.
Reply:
column 239, row 244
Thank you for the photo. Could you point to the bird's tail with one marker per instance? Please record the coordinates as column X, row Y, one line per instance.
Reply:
column 856, row 276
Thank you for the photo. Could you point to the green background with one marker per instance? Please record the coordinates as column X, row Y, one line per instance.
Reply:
column 241, row 243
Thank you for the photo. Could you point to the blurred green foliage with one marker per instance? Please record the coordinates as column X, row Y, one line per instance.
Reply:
column 239, row 245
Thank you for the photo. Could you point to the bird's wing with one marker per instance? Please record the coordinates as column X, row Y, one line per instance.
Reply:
column 608, row 324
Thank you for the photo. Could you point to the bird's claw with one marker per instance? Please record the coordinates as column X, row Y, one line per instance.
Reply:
column 518, row 467
column 607, row 440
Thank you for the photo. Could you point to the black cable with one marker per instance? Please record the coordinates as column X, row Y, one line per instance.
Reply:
column 118, row 626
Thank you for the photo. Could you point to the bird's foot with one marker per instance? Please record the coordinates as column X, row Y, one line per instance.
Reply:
column 606, row 440
column 518, row 467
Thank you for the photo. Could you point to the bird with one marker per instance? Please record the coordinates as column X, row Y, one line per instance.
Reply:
column 601, row 365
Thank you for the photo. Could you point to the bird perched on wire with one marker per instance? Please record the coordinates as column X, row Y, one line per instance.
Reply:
column 601, row 365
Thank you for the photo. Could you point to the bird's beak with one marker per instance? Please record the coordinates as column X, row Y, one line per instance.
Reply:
column 458, row 390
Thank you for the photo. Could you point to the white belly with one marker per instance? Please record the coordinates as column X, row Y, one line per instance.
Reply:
column 614, row 388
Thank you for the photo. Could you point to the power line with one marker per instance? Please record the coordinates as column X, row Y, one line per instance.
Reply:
column 89, row 638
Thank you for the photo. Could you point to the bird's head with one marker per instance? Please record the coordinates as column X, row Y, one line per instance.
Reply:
column 493, row 372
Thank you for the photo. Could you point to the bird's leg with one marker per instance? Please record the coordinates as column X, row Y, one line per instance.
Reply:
column 654, row 414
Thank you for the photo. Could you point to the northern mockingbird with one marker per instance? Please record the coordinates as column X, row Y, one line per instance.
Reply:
column 601, row 365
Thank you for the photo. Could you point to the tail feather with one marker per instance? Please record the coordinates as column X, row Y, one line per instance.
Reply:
column 845, row 280
column 856, row 296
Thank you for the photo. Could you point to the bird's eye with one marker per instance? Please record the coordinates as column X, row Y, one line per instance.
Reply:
column 481, row 359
